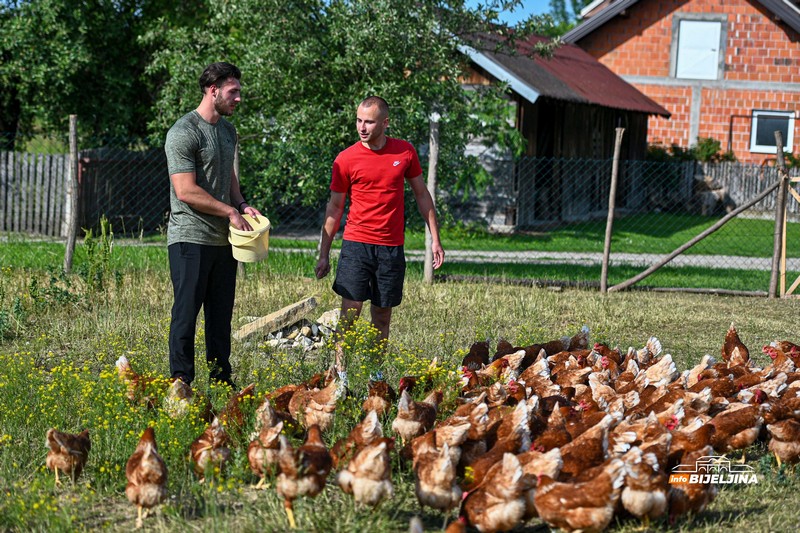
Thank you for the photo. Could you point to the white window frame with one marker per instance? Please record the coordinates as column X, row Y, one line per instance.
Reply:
column 788, row 142
column 720, row 19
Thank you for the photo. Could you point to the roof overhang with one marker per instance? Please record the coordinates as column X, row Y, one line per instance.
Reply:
column 783, row 10
column 570, row 74
column 499, row 72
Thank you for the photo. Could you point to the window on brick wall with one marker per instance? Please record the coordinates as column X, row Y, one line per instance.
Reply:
column 763, row 127
column 698, row 50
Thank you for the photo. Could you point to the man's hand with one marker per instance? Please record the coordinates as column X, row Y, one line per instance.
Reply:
column 252, row 211
column 238, row 222
column 323, row 267
column 438, row 255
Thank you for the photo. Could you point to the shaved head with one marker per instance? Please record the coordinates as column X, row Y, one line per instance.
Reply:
column 378, row 101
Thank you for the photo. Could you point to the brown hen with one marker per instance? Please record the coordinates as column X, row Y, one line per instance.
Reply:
column 262, row 452
column 67, row 452
column 733, row 351
column 380, row 397
column 317, row 407
column 644, row 494
column 209, row 452
column 368, row 476
column 499, row 503
column 146, row 472
column 145, row 390
column 587, row 506
column 784, row 440
column 364, row 433
column 303, row 470
column 435, row 475
column 415, row 418
column 685, row 498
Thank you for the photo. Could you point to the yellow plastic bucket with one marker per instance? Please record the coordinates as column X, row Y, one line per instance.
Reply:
column 250, row 246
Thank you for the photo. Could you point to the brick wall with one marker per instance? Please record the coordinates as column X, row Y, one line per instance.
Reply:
column 757, row 50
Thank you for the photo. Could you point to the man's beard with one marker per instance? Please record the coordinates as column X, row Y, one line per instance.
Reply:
column 222, row 107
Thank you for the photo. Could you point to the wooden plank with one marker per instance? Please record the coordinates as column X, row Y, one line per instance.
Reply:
column 277, row 320
column 58, row 198
column 50, row 197
column 47, row 195
column 39, row 217
column 793, row 287
column 4, row 180
column 30, row 194
column 73, row 194
column 15, row 199
column 24, row 193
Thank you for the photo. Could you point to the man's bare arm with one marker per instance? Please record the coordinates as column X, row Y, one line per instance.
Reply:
column 428, row 212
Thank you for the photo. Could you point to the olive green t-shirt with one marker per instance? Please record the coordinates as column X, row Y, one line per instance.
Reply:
column 194, row 145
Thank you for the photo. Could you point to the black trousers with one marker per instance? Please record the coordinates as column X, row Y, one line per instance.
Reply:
column 202, row 276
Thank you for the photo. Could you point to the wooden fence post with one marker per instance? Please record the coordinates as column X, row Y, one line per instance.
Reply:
column 780, row 218
column 73, row 190
column 612, row 201
column 433, row 161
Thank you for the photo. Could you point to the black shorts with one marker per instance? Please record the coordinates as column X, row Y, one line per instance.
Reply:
column 371, row 272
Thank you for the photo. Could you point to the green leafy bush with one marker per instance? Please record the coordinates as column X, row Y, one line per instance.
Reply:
column 707, row 150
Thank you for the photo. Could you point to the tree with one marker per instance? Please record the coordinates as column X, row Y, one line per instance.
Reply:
column 61, row 57
column 564, row 19
column 307, row 63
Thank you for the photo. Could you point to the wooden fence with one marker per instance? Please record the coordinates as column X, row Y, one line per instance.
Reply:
column 33, row 192
column 743, row 182
column 131, row 188
column 547, row 192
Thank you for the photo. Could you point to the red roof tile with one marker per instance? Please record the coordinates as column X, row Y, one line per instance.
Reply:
column 571, row 74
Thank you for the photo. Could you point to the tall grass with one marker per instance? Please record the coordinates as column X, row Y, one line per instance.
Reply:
column 56, row 369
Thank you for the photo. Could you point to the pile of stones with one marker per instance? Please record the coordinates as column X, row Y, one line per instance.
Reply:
column 305, row 334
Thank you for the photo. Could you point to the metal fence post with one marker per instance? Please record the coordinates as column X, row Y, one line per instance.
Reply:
column 433, row 160
column 780, row 218
column 612, row 200
column 72, row 190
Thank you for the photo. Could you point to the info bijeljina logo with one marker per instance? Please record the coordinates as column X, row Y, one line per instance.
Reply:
column 713, row 469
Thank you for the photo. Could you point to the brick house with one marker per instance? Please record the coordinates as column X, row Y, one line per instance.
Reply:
column 726, row 69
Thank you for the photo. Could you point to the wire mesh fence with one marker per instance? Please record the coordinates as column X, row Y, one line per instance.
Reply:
column 124, row 180
column 659, row 206
column 556, row 210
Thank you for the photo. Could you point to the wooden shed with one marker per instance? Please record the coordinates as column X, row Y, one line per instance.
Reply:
column 567, row 107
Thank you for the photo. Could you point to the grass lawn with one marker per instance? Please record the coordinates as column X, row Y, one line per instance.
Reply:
column 131, row 255
column 656, row 233
column 61, row 336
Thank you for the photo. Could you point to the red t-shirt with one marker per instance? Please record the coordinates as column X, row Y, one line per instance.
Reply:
column 375, row 181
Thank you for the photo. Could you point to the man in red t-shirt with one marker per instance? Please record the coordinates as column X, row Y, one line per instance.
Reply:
column 373, row 172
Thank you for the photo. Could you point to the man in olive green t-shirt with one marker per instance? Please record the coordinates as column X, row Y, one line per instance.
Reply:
column 204, row 199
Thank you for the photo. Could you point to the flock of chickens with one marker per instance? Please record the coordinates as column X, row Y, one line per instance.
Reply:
column 569, row 434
